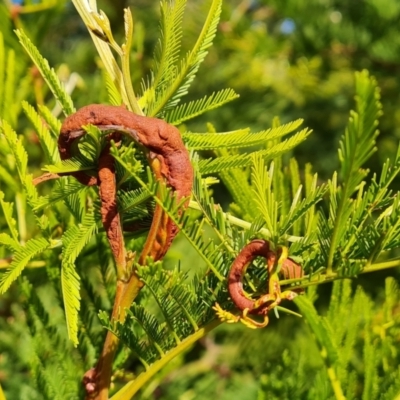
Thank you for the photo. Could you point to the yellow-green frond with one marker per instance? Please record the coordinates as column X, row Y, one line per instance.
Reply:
column 20, row 259
column 195, row 108
column 47, row 73
column 238, row 138
column 211, row 166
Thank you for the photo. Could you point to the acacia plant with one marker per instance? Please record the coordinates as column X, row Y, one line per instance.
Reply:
column 78, row 273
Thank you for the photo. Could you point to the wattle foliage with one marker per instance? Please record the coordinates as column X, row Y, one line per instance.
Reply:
column 52, row 234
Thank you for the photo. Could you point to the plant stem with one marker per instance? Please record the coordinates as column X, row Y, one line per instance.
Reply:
column 20, row 205
column 124, row 297
column 131, row 388
column 105, row 53
column 2, row 395
column 337, row 389
column 5, row 263
column 125, row 64
column 127, row 288
column 324, row 278
column 244, row 224
column 334, row 238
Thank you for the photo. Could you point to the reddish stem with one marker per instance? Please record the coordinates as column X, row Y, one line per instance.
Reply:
column 170, row 162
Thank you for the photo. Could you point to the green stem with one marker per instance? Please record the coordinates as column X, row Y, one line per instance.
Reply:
column 244, row 224
column 5, row 263
column 105, row 53
column 334, row 238
column 337, row 388
column 124, row 297
column 126, row 73
column 126, row 76
column 131, row 388
column 2, row 395
column 324, row 278
column 381, row 266
column 19, row 202
column 379, row 196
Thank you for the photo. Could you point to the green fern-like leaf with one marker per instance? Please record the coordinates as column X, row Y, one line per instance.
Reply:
column 46, row 140
column 53, row 123
column 358, row 143
column 180, row 82
column 53, row 374
column 73, row 164
column 195, row 108
column 237, row 182
column 8, row 215
column 311, row 218
column 48, row 73
column 114, row 96
column 212, row 166
column 132, row 200
column 74, row 240
column 33, row 200
column 299, row 208
column 379, row 194
column 9, row 242
column 391, row 226
column 59, row 193
column 8, row 75
column 39, row 373
column 264, row 196
column 211, row 212
column 21, row 158
column 374, row 202
column 174, row 296
column 2, row 71
column 168, row 46
column 357, row 339
column 294, row 185
column 17, row 148
column 320, row 327
column 178, row 299
column 208, row 253
column 77, row 204
column 20, row 259
column 239, row 138
column 70, row 289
